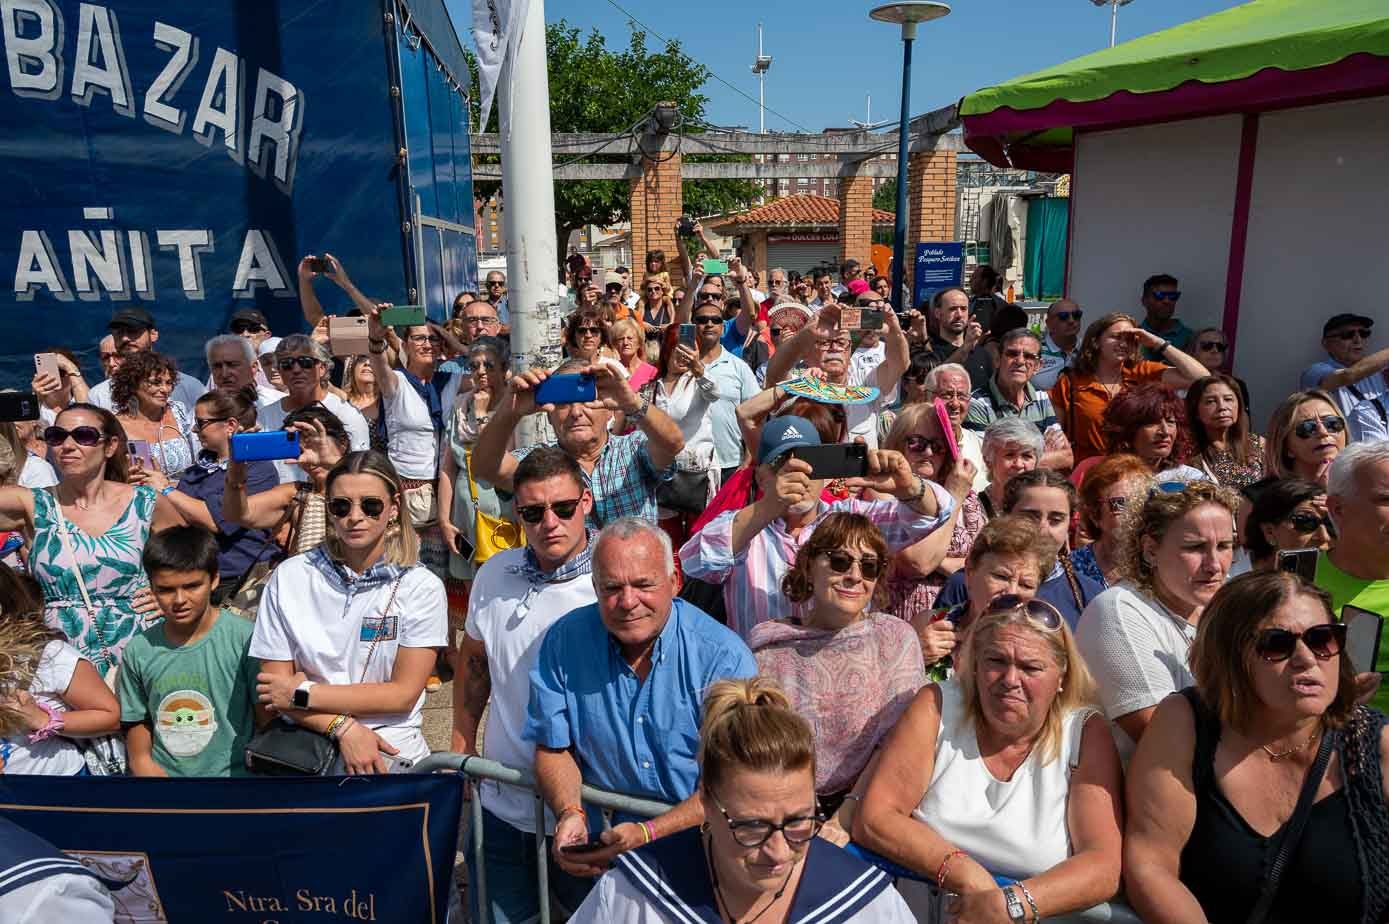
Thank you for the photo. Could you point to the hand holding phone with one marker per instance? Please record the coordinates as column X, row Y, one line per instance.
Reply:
column 348, row 336
column 714, row 267
column 574, row 388
column 140, row 454
column 47, row 364
column 685, row 226
column 591, row 846
column 1364, row 634
column 687, row 335
column 270, row 445
column 16, row 405
column 838, row 460
column 320, row 265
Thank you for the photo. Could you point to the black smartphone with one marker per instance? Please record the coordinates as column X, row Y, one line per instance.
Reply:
column 1302, row 562
column 685, row 226
column 838, row 460
column 592, row 846
column 1364, row 634
column 687, row 335
column 463, row 547
column 319, row 265
column 19, row 405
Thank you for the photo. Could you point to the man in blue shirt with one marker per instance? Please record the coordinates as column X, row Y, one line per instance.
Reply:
column 1350, row 373
column 617, row 693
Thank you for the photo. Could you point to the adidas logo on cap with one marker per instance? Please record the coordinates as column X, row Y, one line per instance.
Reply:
column 791, row 434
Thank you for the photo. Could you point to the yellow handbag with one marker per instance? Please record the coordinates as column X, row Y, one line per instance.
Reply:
column 491, row 534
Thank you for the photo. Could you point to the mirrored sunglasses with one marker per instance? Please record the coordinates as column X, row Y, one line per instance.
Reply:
column 1329, row 422
column 341, row 507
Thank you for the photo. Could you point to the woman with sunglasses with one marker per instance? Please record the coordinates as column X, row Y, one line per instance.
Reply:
column 756, row 857
column 1176, row 552
column 1109, row 361
column 88, row 533
column 1219, row 424
column 1105, row 494
column 655, row 308
column 1287, row 514
column 1305, row 435
column 140, row 395
column 1001, row 789
column 218, row 416
column 837, row 576
column 348, row 633
column 1224, row 766
column 583, row 335
column 302, row 363
column 918, row 572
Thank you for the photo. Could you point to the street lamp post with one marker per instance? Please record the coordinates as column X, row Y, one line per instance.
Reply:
column 907, row 14
column 1113, row 16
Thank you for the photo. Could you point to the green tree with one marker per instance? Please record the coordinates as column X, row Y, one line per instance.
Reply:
column 885, row 196
column 596, row 89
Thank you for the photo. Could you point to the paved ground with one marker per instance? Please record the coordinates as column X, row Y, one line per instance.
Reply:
column 438, row 724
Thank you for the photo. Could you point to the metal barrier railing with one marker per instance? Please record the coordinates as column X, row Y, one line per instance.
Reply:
column 609, row 801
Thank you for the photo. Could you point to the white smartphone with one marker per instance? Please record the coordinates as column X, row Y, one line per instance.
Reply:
column 1364, row 632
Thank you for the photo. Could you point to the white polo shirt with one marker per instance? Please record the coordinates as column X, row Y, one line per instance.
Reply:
column 310, row 615
column 511, row 619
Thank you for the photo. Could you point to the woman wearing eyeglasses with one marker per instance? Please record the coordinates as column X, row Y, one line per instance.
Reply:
column 1305, row 435
column 1105, row 495
column 756, row 857
column 348, row 633
column 847, row 667
column 1176, row 552
column 1219, row 425
column 140, row 393
column 1224, row 766
column 1287, row 514
column 1109, row 361
column 1002, row 789
column 95, row 520
column 918, row 572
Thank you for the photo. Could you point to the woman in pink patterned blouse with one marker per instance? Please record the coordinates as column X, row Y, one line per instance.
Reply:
column 848, row 670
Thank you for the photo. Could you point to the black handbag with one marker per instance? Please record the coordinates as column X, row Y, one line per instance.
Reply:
column 293, row 750
column 687, row 492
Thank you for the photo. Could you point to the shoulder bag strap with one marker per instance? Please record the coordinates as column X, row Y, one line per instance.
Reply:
column 380, row 627
column 1293, row 833
column 468, row 470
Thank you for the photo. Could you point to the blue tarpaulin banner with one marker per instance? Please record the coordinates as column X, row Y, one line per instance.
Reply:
column 311, row 850
column 938, row 266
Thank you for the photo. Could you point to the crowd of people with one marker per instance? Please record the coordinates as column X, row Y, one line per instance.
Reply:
column 930, row 616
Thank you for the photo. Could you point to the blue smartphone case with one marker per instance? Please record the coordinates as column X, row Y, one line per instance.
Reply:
column 271, row 445
column 566, row 389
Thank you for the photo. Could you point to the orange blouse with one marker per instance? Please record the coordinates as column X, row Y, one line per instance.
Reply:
column 1079, row 402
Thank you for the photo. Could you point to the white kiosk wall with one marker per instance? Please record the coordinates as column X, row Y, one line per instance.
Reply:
column 1317, row 239
column 1154, row 199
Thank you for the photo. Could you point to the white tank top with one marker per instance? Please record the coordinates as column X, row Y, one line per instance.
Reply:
column 1015, row 828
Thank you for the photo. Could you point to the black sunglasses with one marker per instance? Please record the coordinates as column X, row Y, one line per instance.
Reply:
column 1308, row 523
column 1325, row 641
column 289, row 362
column 931, row 444
column 1362, row 333
column 201, row 422
column 534, row 513
column 709, row 297
column 1329, row 422
column 708, row 320
column 841, row 562
column 1214, row 345
column 56, row 436
column 372, row 507
column 1068, row 315
column 587, row 331
column 246, row 327
column 775, row 332
column 754, row 832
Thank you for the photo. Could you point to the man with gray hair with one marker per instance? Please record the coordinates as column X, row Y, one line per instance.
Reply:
column 1009, row 393
column 950, row 383
column 616, row 695
column 232, row 361
column 302, row 362
column 1355, row 571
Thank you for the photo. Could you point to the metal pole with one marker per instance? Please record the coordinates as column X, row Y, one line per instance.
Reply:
column 899, row 236
column 761, row 88
column 532, row 266
column 1113, row 21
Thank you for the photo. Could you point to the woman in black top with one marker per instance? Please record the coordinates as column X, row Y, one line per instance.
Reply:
column 1213, row 785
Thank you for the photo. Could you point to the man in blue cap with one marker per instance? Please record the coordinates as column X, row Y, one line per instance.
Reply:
column 750, row 550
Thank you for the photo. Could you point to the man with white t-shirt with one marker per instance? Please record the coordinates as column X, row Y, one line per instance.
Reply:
column 517, row 595
column 232, row 361
column 302, row 361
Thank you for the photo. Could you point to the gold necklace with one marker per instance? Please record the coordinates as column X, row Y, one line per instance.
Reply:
column 1284, row 755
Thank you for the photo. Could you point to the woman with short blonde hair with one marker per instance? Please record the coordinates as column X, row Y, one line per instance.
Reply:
column 1305, row 435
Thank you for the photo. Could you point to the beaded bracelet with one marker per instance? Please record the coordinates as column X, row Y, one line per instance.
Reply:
column 940, row 873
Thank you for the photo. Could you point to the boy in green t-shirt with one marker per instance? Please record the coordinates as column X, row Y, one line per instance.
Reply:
column 187, row 686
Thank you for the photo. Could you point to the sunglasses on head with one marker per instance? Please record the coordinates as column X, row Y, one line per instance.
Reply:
column 1167, row 296
column 841, row 562
column 1325, row 641
column 1068, row 315
column 1037, row 611
column 1362, row 332
column 371, row 507
column 1329, row 422
column 289, row 362
column 83, row 436
column 1166, row 487
column 1216, row 345
column 931, row 444
column 534, row 513
column 1307, row 522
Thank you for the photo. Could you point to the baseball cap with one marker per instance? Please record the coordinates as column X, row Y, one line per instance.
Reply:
column 250, row 316
column 782, row 434
column 1343, row 320
column 132, row 316
column 858, row 286
column 612, row 279
column 267, row 346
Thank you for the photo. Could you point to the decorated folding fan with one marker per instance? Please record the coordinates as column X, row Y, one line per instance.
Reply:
column 805, row 386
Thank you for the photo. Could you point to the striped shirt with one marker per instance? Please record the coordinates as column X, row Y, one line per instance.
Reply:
column 751, row 578
column 987, row 404
column 623, row 480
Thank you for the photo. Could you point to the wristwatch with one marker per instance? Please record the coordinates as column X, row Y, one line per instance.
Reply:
column 301, row 694
column 640, row 412
column 1016, row 910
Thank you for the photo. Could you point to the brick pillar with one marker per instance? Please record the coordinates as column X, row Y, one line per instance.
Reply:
column 930, row 197
column 657, row 202
column 856, row 218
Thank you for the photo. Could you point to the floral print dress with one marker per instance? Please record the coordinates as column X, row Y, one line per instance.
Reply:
column 111, row 571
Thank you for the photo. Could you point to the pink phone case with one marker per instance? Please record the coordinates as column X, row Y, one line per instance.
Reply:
column 949, row 430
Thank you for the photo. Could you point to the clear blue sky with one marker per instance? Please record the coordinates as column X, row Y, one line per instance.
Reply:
column 828, row 55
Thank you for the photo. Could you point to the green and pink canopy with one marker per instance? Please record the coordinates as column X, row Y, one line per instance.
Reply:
column 1266, row 54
